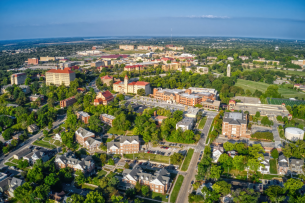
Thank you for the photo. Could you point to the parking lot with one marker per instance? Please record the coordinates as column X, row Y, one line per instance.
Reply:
column 166, row 150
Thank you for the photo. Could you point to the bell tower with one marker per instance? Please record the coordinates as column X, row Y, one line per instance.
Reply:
column 126, row 81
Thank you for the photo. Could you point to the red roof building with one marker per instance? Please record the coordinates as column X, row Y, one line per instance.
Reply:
column 103, row 98
column 115, row 56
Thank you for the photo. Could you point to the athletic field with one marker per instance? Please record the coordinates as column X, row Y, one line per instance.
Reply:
column 287, row 102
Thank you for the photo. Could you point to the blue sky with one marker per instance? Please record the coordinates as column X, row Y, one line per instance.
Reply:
column 26, row 19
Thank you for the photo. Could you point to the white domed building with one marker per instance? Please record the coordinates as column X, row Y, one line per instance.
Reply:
column 294, row 134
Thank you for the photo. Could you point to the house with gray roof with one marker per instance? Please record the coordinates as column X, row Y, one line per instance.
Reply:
column 158, row 182
column 69, row 160
column 22, row 153
column 42, row 154
column 265, row 165
column 283, row 165
column 14, row 183
column 296, row 166
column 125, row 145
column 86, row 139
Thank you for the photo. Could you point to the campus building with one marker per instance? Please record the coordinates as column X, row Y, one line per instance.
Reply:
column 107, row 119
column 151, row 47
column 33, row 61
column 235, row 125
column 86, row 139
column 67, row 102
column 103, row 98
column 107, row 79
column 126, row 145
column 47, row 58
column 190, row 97
column 18, row 78
column 126, row 87
column 59, row 77
column 127, row 47
column 83, row 116
column 173, row 47
column 157, row 182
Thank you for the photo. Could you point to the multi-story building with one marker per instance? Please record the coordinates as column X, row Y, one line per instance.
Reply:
column 33, row 61
column 18, row 78
column 103, row 98
column 67, row 102
column 157, row 182
column 126, row 87
column 235, row 125
column 86, row 139
column 34, row 97
column 283, row 165
column 190, row 97
column 299, row 63
column 69, row 160
column 59, row 77
column 97, row 64
column 107, row 119
column 42, row 154
column 47, row 58
column 126, row 145
column 243, row 57
column 83, row 116
column 152, row 48
column 185, row 124
column 296, row 166
column 173, row 47
column 107, row 79
column 127, row 47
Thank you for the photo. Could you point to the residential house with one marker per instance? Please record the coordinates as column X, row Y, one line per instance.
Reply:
column 69, row 160
column 57, row 137
column 42, row 154
column 283, row 165
column 83, row 116
column 34, row 97
column 126, row 145
column 57, row 196
column 4, row 184
column 107, row 119
column 232, row 153
column 158, row 182
column 217, row 151
column 14, row 183
column 265, row 167
column 22, row 153
column 32, row 128
column 92, row 144
column 296, row 166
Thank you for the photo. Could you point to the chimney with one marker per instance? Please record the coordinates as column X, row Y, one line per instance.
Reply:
column 155, row 113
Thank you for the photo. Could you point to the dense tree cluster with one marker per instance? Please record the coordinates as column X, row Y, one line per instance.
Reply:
column 263, row 135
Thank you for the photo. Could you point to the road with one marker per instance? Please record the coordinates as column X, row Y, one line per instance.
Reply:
column 93, row 85
column 191, row 172
column 28, row 142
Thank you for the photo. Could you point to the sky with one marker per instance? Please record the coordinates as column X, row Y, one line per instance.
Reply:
column 30, row 19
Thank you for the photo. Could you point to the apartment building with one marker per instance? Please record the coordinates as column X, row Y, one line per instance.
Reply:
column 18, row 78
column 152, row 48
column 107, row 119
column 126, row 47
column 103, row 98
column 190, row 97
column 69, row 160
column 235, row 125
column 67, row 102
column 126, row 145
column 132, row 87
column 47, row 58
column 33, row 61
column 267, row 61
column 59, row 77
column 83, row 116
column 157, row 182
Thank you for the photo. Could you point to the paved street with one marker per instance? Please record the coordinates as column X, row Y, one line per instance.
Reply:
column 28, row 142
column 93, row 85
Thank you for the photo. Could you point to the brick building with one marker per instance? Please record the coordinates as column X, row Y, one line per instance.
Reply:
column 107, row 79
column 173, row 47
column 34, row 97
column 59, row 77
column 83, row 116
column 67, row 102
column 126, row 47
column 190, row 97
column 81, row 135
column 103, row 98
column 157, row 182
column 126, row 87
column 68, row 160
column 126, row 145
column 33, row 61
column 18, row 78
column 235, row 125
column 107, row 119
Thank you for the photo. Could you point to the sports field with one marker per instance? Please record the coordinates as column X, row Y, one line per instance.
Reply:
column 261, row 86
column 286, row 101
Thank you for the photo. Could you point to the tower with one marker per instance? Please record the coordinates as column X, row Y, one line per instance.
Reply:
column 229, row 71
column 126, row 81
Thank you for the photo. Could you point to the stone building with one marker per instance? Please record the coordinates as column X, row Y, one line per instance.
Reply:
column 59, row 77
column 131, row 87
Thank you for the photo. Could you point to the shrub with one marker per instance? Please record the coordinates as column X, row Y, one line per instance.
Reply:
column 263, row 135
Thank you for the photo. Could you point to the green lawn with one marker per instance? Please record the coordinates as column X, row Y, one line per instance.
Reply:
column 157, row 196
column 105, row 140
column 114, row 131
column 261, row 86
column 101, row 173
column 176, row 189
column 273, row 168
column 47, row 139
column 146, row 156
column 88, row 187
column 15, row 161
column 10, row 164
column 202, row 122
column 187, row 160
column 44, row 144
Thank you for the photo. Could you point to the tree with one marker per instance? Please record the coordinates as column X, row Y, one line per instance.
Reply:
column 41, row 192
column 225, row 161
column 228, row 146
column 22, row 193
column 141, row 92
column 14, row 143
column 23, row 164
column 215, row 172
column 275, row 154
column 257, row 114
column 50, row 125
column 130, row 193
column 111, row 162
column 94, row 197
column 239, row 162
column 6, row 149
column 245, row 196
column 45, row 132
column 7, row 134
column 51, row 179
column 35, row 174
column 275, row 193
column 138, row 200
column 80, row 177
column 117, row 199
column 126, row 165
column 113, row 182
column 95, row 123
column 176, row 158
column 103, row 158
column 138, row 186
column 253, row 164
column 145, row 190
column 292, row 185
column 76, row 198
column 222, row 187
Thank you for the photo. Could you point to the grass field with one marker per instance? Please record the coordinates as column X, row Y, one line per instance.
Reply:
column 187, row 160
column 10, row 164
column 273, row 168
column 146, row 156
column 44, row 144
column 114, row 131
column 287, row 102
column 176, row 189
column 202, row 122
column 261, row 86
